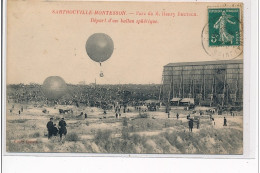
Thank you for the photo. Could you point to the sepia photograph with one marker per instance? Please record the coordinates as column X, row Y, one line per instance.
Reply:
column 124, row 77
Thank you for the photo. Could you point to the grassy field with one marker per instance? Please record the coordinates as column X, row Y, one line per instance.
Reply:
column 150, row 132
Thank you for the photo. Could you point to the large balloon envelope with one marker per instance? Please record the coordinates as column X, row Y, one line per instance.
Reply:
column 54, row 87
column 99, row 47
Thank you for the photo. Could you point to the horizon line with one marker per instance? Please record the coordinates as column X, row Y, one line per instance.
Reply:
column 32, row 83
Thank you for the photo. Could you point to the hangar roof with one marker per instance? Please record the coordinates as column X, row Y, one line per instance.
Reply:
column 238, row 61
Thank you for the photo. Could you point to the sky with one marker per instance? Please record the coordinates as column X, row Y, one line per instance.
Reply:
column 42, row 44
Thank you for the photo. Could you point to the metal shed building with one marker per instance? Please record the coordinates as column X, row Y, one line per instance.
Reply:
column 208, row 83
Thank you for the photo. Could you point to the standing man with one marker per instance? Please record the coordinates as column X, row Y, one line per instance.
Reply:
column 177, row 116
column 213, row 121
column 225, row 122
column 124, row 108
column 50, row 128
column 198, row 123
column 190, row 124
column 62, row 128
column 168, row 114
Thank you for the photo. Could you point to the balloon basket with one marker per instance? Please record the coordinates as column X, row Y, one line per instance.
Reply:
column 101, row 74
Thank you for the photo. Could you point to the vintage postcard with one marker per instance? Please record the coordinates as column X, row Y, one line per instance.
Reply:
column 124, row 77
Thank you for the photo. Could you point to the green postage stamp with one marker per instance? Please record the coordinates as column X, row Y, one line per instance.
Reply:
column 224, row 27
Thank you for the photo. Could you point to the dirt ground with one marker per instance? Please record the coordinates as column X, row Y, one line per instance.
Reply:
column 129, row 133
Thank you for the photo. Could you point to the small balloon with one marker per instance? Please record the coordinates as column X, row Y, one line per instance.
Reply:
column 54, row 87
column 99, row 47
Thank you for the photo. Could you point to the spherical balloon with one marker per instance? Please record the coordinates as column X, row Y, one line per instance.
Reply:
column 99, row 47
column 54, row 87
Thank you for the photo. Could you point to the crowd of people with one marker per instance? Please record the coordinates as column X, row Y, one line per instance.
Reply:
column 106, row 97
column 89, row 95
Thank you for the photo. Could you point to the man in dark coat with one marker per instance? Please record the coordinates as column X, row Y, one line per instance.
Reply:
column 225, row 122
column 62, row 128
column 190, row 124
column 198, row 123
column 55, row 130
column 177, row 116
column 50, row 128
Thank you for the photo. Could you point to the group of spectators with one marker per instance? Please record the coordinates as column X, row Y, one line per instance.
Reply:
column 54, row 131
column 89, row 95
column 192, row 120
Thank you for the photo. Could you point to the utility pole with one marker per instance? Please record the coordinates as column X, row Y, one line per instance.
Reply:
column 204, row 87
column 182, row 83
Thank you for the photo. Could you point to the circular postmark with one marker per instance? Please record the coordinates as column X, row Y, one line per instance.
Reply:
column 221, row 51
